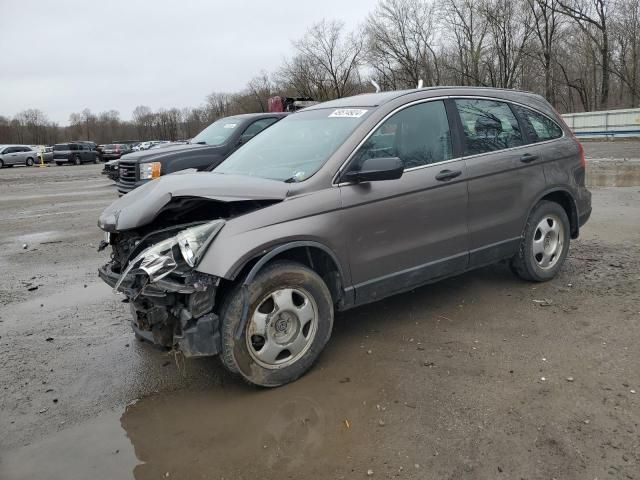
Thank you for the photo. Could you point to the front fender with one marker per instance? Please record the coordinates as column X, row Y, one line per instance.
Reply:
column 315, row 219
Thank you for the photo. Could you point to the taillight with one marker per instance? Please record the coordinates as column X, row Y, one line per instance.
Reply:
column 583, row 160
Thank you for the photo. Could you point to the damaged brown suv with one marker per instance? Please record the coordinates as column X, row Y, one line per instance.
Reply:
column 338, row 205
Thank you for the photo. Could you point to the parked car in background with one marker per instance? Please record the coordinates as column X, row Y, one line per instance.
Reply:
column 147, row 145
column 111, row 169
column 11, row 155
column 75, row 153
column 43, row 151
column 206, row 150
column 342, row 204
column 114, row 151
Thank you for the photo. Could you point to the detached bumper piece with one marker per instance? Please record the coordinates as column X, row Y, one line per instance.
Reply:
column 175, row 311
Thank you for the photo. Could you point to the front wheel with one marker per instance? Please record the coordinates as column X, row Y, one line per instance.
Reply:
column 29, row 162
column 545, row 244
column 289, row 321
column 77, row 160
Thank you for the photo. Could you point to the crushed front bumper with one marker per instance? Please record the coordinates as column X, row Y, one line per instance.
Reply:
column 173, row 312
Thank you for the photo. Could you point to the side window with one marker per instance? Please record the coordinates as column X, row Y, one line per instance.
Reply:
column 488, row 126
column 257, row 126
column 539, row 127
column 418, row 135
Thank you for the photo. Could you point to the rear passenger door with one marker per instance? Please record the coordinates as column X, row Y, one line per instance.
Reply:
column 403, row 233
column 504, row 176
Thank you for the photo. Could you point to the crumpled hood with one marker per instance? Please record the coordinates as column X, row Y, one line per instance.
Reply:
column 140, row 206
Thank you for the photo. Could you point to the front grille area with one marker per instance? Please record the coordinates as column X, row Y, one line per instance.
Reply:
column 128, row 176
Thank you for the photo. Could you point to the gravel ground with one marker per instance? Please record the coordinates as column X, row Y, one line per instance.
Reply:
column 481, row 376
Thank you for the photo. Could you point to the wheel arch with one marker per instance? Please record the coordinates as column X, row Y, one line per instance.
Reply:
column 563, row 197
column 315, row 255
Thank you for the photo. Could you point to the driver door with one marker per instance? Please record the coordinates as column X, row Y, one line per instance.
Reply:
column 406, row 232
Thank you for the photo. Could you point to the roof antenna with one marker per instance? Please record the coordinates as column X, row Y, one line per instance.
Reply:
column 375, row 84
column 420, row 83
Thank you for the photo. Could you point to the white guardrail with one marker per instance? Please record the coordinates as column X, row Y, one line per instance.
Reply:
column 605, row 124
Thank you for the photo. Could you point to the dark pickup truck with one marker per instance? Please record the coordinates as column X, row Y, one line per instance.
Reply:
column 206, row 150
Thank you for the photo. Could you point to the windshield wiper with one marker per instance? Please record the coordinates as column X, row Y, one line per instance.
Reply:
column 293, row 179
column 201, row 143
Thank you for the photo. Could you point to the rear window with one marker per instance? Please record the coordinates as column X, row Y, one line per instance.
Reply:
column 111, row 146
column 540, row 128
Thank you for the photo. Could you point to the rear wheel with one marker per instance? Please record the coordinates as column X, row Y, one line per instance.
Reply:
column 59, row 163
column 545, row 244
column 1, row 164
column 29, row 162
column 77, row 160
column 289, row 321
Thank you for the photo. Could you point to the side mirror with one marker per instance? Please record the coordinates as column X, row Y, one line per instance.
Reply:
column 376, row 169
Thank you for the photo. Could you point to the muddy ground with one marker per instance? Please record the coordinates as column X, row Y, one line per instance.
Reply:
column 481, row 376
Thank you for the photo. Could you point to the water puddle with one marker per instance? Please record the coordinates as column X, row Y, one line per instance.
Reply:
column 308, row 429
column 98, row 448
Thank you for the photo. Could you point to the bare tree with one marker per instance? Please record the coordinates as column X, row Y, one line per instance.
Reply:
column 547, row 25
column 626, row 61
column 468, row 29
column 400, row 37
column 591, row 16
column 508, row 23
column 328, row 59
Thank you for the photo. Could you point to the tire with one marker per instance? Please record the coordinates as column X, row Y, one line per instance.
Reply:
column 96, row 160
column 297, row 312
column 544, row 245
column 77, row 160
column 1, row 164
column 59, row 163
column 29, row 162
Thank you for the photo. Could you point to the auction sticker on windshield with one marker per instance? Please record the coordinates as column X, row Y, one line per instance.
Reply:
column 230, row 125
column 348, row 113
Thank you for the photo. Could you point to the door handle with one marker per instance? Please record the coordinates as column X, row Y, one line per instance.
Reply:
column 528, row 157
column 446, row 175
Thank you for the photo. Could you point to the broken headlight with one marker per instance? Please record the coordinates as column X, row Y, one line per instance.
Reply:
column 193, row 241
column 158, row 261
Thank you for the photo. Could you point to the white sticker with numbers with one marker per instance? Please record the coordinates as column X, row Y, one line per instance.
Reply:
column 348, row 113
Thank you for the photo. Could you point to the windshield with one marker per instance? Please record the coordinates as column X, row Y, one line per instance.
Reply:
column 294, row 148
column 218, row 132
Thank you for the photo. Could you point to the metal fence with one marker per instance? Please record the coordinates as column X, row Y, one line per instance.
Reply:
column 605, row 124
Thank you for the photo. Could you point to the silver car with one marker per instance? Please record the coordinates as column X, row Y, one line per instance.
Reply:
column 11, row 155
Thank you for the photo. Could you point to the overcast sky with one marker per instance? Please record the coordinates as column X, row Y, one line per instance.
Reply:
column 62, row 56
